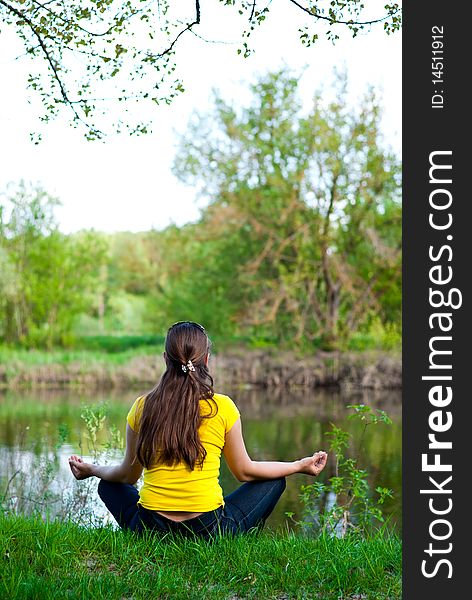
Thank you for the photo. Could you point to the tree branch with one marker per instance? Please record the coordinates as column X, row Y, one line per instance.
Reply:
column 90, row 33
column 317, row 15
column 360, row 307
column 45, row 50
column 253, row 10
column 188, row 28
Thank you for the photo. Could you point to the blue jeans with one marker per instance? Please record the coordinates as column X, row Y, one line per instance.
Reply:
column 246, row 508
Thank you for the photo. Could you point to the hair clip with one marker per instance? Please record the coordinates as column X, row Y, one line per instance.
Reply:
column 188, row 367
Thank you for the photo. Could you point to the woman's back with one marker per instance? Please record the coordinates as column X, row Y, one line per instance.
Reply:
column 176, row 487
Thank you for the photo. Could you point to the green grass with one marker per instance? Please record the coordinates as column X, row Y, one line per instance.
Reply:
column 90, row 351
column 60, row 560
column 102, row 348
column 18, row 357
column 121, row 343
column 22, row 368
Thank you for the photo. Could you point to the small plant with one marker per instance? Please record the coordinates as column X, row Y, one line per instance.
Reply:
column 345, row 502
column 51, row 492
column 115, row 441
column 79, row 504
column 94, row 419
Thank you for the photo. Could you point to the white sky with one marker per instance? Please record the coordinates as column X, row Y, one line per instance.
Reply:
column 125, row 183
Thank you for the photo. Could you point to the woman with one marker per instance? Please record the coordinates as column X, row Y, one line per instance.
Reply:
column 176, row 434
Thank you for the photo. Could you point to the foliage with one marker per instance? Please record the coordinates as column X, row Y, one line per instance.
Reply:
column 83, row 55
column 299, row 245
column 384, row 336
column 47, row 278
column 345, row 502
column 112, row 344
column 304, row 216
column 94, row 419
column 199, row 282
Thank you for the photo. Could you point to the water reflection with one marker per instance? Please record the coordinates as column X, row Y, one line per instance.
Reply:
column 40, row 430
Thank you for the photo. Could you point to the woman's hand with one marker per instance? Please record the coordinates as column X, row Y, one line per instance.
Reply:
column 313, row 465
column 80, row 469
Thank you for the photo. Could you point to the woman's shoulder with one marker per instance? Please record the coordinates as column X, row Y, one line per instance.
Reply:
column 135, row 412
column 225, row 404
column 139, row 403
column 222, row 399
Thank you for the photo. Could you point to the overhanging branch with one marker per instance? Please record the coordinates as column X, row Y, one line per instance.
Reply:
column 317, row 15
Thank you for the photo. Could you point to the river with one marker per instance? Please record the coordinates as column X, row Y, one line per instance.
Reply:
column 40, row 429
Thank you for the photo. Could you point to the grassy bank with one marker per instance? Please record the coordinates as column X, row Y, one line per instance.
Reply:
column 79, row 367
column 237, row 366
column 54, row 560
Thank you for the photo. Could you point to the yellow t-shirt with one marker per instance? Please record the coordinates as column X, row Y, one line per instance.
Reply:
column 178, row 488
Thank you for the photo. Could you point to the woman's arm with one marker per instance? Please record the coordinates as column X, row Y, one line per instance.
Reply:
column 245, row 469
column 129, row 471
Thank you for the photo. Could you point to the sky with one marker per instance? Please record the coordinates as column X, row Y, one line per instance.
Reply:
column 125, row 183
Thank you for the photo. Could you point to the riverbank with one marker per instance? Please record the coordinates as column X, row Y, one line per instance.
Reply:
column 59, row 560
column 143, row 366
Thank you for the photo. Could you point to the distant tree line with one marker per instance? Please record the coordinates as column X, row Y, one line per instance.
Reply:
column 299, row 243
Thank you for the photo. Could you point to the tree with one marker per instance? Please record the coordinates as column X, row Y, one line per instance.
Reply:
column 198, row 281
column 47, row 278
column 310, row 202
column 133, row 279
column 87, row 53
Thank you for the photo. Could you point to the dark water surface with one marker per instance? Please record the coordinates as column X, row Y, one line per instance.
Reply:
column 39, row 430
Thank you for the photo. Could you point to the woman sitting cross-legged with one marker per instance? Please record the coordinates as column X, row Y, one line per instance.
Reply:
column 176, row 433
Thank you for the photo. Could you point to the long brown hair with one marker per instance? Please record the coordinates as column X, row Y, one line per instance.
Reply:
column 168, row 431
